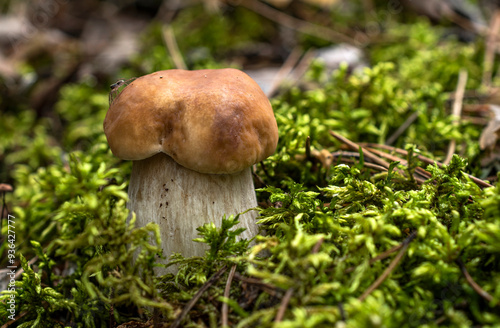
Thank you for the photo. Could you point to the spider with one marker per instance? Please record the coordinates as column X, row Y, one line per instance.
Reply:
column 114, row 92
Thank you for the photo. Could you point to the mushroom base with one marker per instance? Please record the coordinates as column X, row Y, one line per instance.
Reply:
column 180, row 200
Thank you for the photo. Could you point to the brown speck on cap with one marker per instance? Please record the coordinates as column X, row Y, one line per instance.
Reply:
column 211, row 121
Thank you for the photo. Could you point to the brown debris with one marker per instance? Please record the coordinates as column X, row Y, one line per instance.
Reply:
column 196, row 297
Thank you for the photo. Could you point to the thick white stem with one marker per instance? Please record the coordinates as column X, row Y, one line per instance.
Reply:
column 179, row 200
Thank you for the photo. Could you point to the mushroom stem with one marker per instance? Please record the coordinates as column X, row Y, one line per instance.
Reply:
column 180, row 200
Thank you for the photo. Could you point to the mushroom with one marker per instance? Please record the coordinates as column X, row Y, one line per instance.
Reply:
column 193, row 137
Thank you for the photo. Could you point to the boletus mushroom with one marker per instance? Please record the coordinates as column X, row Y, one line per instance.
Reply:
column 193, row 137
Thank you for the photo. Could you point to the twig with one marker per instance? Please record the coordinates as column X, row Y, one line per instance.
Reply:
column 4, row 188
column 371, row 154
column 409, row 121
column 196, row 297
column 112, row 322
column 466, row 23
column 284, row 71
column 366, row 152
column 390, row 268
column 7, row 324
column 366, row 164
column 375, row 167
column 378, row 257
column 168, row 9
column 440, row 320
column 489, row 53
column 173, row 49
column 343, row 315
column 481, row 97
column 225, row 307
column 343, row 153
column 388, row 252
column 317, row 246
column 482, row 109
column 156, row 318
column 388, row 156
column 402, row 162
column 382, row 256
column 386, row 147
column 456, row 111
column 283, row 305
column 263, row 167
column 308, row 148
column 303, row 65
column 425, row 160
column 295, row 23
column 21, row 270
column 475, row 120
column 256, row 176
column 355, row 146
column 296, row 74
column 402, row 152
column 271, row 290
column 423, row 172
column 472, row 283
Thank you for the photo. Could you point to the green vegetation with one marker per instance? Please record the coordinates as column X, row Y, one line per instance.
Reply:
column 345, row 245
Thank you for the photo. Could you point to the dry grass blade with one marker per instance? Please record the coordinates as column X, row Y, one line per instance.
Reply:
column 456, row 111
column 379, row 257
column 343, row 153
column 283, row 305
column 21, row 270
column 196, row 297
column 409, row 121
column 284, row 71
column 366, row 164
column 400, row 151
column 422, row 174
column 303, row 65
column 225, row 307
column 308, row 148
column 366, row 152
column 491, row 44
column 390, row 268
column 317, row 246
column 4, row 188
column 475, row 120
column 474, row 284
column 10, row 322
column 355, row 146
column 173, row 49
column 388, row 156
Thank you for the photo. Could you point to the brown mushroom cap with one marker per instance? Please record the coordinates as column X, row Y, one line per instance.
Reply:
column 211, row 121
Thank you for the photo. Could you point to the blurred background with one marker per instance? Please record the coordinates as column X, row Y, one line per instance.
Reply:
column 46, row 44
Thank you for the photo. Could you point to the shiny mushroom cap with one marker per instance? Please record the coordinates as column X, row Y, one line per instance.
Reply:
column 210, row 121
